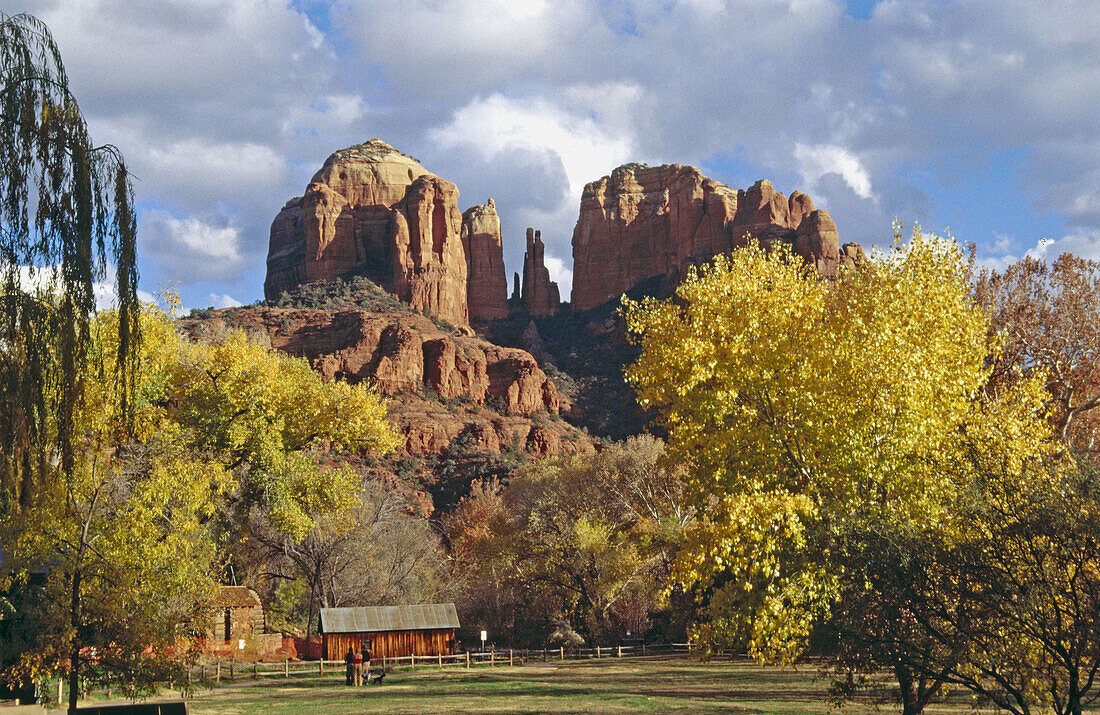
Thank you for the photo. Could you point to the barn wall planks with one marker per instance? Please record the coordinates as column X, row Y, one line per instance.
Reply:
column 391, row 644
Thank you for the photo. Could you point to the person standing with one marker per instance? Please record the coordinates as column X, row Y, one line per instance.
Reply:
column 358, row 668
column 349, row 664
column 366, row 662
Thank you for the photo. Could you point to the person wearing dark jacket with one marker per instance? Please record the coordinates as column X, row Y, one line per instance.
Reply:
column 366, row 663
column 349, row 662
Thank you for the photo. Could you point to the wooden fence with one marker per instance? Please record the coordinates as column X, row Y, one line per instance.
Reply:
column 231, row 671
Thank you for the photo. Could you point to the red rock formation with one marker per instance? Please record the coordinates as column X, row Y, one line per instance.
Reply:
column 487, row 288
column 818, row 242
column 642, row 223
column 500, row 392
column 372, row 210
column 852, row 255
column 540, row 294
column 404, row 352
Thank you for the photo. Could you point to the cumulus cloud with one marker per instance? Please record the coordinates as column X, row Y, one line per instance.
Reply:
column 224, row 301
column 536, row 144
column 193, row 249
column 560, row 273
column 48, row 278
column 319, row 117
column 225, row 108
column 1002, row 243
column 586, row 148
column 1083, row 244
column 815, row 162
column 219, row 169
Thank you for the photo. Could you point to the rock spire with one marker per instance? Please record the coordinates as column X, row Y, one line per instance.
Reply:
column 540, row 294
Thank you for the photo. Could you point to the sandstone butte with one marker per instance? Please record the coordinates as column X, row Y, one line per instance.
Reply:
column 373, row 211
column 643, row 222
column 502, row 391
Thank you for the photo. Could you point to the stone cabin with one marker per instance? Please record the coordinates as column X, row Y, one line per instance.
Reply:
column 238, row 613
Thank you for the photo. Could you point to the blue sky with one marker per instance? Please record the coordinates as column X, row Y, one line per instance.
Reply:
column 977, row 116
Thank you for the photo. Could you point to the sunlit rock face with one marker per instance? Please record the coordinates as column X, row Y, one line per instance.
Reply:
column 487, row 288
column 654, row 222
column 374, row 211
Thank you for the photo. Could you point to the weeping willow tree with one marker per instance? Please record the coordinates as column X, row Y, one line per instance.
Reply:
column 66, row 223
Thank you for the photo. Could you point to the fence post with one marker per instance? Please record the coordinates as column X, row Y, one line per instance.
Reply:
column 440, row 659
column 383, row 662
column 643, row 649
column 202, row 673
column 509, row 656
column 597, row 651
column 620, row 651
column 60, row 684
column 321, row 667
column 218, row 672
column 563, row 652
column 255, row 670
column 412, row 661
column 467, row 660
column 232, row 677
column 492, row 657
column 286, row 668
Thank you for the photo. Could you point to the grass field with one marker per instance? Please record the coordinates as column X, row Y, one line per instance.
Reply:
column 578, row 686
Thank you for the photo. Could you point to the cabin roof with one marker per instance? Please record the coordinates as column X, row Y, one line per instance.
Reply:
column 236, row 597
column 373, row 619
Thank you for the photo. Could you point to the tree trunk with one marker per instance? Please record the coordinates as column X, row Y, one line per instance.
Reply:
column 911, row 703
column 309, row 623
column 74, row 649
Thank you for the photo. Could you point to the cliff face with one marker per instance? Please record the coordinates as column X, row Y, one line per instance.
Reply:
column 373, row 211
column 486, row 286
column 646, row 222
column 440, row 384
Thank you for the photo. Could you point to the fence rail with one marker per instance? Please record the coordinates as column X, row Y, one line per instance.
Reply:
column 233, row 670
column 230, row 671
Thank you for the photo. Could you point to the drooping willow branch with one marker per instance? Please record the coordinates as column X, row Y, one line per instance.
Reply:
column 66, row 220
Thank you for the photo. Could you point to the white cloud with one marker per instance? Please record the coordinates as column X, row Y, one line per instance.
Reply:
column 193, row 249
column 815, row 162
column 560, row 273
column 106, row 297
column 334, row 112
column 1002, row 242
column 1085, row 244
column 221, row 167
column 224, row 301
column 48, row 277
column 495, row 124
column 225, row 108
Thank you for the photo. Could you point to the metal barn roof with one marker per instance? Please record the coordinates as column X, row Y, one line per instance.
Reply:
column 372, row 619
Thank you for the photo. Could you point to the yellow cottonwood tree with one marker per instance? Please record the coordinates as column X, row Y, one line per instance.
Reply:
column 114, row 563
column 261, row 410
column 807, row 412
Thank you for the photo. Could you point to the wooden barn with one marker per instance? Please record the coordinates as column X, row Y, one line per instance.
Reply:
column 391, row 631
column 238, row 613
